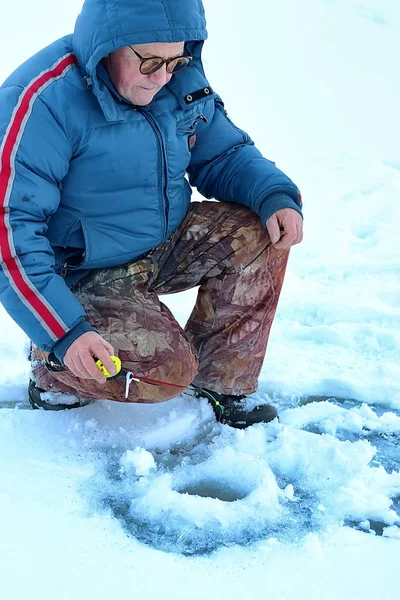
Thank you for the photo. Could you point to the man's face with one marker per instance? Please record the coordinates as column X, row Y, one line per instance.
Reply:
column 123, row 67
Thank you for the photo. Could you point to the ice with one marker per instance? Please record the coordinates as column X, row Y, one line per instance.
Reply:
column 197, row 505
column 215, row 487
column 138, row 460
column 225, row 488
column 393, row 532
column 331, row 418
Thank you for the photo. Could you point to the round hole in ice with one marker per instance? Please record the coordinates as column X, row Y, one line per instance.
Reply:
column 226, row 491
column 230, row 498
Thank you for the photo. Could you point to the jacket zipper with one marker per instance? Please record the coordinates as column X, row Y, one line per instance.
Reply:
column 197, row 119
column 200, row 118
column 164, row 174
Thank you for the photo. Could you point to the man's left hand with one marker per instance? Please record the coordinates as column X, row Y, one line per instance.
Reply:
column 285, row 228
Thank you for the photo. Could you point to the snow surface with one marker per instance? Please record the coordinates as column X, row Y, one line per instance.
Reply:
column 161, row 501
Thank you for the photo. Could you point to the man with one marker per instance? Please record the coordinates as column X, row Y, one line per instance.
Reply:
column 98, row 131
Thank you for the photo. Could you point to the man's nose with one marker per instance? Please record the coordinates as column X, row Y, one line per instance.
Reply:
column 161, row 77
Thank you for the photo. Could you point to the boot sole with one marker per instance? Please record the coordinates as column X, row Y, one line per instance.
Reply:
column 36, row 401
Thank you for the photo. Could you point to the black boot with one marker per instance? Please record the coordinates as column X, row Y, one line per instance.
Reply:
column 36, row 401
column 230, row 410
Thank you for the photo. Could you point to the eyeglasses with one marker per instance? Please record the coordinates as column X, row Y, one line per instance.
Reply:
column 154, row 63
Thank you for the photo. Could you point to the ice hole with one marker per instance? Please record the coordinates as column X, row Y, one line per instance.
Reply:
column 214, row 488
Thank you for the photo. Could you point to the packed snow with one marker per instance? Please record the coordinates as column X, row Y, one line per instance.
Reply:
column 160, row 500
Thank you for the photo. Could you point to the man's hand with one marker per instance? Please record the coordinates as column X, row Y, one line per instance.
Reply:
column 285, row 228
column 79, row 357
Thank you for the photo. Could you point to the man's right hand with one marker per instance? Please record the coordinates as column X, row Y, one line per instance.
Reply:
column 79, row 357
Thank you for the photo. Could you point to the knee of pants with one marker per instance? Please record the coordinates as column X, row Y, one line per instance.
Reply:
column 180, row 374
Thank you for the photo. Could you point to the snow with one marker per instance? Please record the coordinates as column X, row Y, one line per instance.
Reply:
column 110, row 500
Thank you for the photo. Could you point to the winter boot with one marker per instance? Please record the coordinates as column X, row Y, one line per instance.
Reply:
column 36, row 401
column 230, row 410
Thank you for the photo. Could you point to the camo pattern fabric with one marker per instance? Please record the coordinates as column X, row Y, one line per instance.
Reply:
column 224, row 249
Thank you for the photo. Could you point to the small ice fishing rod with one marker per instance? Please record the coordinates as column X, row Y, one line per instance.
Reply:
column 55, row 365
column 129, row 376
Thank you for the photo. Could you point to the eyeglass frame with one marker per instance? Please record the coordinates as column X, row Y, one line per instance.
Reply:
column 163, row 61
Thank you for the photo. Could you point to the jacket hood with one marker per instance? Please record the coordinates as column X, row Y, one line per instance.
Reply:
column 107, row 25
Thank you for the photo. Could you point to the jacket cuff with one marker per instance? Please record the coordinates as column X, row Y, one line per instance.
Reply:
column 61, row 347
column 276, row 202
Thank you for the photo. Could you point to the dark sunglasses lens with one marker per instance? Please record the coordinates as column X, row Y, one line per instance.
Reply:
column 151, row 66
column 178, row 64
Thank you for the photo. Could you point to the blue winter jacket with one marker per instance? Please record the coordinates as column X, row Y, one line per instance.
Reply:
column 89, row 181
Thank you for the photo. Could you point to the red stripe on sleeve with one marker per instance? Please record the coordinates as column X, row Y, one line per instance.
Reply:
column 7, row 174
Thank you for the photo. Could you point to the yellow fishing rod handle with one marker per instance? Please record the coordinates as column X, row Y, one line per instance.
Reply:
column 116, row 362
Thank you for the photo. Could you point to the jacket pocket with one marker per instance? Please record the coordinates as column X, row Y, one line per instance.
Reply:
column 190, row 125
column 188, row 128
column 76, row 254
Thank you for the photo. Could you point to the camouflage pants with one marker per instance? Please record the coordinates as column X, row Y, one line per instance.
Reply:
column 224, row 249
